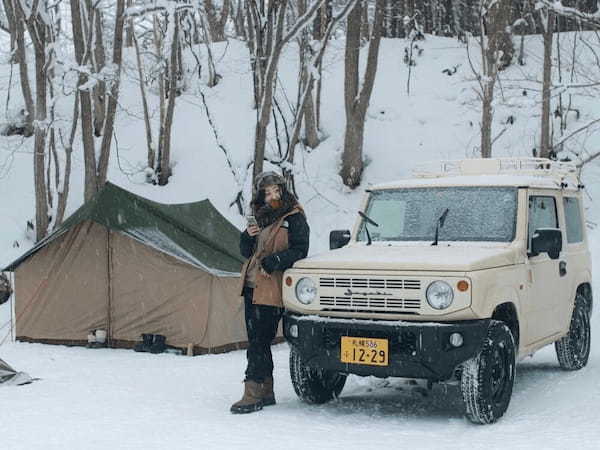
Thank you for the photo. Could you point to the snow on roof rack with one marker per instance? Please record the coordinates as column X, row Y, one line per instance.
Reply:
column 539, row 167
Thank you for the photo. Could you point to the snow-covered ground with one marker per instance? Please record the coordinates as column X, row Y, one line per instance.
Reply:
column 98, row 399
column 119, row 399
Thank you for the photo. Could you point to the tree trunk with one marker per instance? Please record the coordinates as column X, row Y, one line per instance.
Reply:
column 99, row 92
column 24, row 72
column 87, row 118
column 310, row 123
column 11, row 19
column 165, row 164
column 239, row 21
column 111, row 113
column 129, row 30
column 545, row 144
column 357, row 101
column 39, row 150
column 63, row 193
column 266, row 88
column 487, row 114
column 150, row 146
column 217, row 22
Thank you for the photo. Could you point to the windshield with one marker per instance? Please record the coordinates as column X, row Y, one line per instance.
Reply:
column 474, row 214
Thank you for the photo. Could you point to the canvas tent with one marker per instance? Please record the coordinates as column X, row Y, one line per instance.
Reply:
column 9, row 376
column 128, row 265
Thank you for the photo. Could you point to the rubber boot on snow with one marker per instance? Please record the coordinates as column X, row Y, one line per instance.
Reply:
column 159, row 344
column 146, row 343
column 251, row 400
column 268, row 396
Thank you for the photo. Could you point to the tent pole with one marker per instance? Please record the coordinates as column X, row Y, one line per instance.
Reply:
column 110, row 290
column 13, row 314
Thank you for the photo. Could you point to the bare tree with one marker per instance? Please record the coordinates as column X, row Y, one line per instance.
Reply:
column 87, row 119
column 267, row 37
column 164, row 164
column 306, row 52
column 358, row 94
column 8, row 24
column 217, row 19
column 167, row 65
column 39, row 26
column 306, row 92
column 113, row 96
column 97, row 117
column 492, row 16
column 151, row 151
column 19, row 48
column 547, row 19
column 322, row 21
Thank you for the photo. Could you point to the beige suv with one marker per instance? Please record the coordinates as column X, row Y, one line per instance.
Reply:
column 452, row 275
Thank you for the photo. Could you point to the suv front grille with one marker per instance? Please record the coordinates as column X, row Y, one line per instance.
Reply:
column 369, row 283
column 370, row 303
column 376, row 295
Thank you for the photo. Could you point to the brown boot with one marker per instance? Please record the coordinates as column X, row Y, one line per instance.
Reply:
column 252, row 399
column 268, row 396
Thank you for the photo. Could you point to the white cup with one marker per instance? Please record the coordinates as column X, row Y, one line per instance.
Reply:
column 101, row 336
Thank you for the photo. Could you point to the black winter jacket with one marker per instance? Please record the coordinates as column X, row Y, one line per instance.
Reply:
column 298, row 238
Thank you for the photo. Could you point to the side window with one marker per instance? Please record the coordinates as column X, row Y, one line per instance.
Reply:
column 542, row 214
column 573, row 219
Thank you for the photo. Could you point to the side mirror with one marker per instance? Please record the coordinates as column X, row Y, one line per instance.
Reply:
column 339, row 238
column 547, row 240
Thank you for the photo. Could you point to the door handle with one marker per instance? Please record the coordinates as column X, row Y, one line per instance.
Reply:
column 562, row 268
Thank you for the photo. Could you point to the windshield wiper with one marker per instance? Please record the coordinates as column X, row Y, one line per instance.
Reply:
column 367, row 220
column 440, row 224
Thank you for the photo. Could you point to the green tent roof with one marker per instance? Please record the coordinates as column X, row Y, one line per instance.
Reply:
column 193, row 232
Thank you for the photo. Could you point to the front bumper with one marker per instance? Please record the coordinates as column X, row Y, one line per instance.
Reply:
column 416, row 349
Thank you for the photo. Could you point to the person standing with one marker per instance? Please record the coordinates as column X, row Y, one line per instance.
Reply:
column 273, row 243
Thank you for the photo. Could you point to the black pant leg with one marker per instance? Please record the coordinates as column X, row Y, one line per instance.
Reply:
column 270, row 316
column 261, row 325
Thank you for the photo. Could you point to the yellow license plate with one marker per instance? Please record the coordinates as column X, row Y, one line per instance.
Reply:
column 368, row 351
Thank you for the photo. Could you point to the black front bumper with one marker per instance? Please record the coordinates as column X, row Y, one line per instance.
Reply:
column 416, row 349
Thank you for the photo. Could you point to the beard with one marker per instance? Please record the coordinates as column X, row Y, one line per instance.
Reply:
column 275, row 203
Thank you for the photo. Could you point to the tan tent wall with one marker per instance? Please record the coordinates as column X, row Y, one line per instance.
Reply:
column 64, row 291
column 155, row 293
column 61, row 291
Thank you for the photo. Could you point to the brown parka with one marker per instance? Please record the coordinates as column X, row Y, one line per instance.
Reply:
column 268, row 288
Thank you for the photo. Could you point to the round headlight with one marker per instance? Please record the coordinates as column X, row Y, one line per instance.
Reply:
column 306, row 291
column 439, row 295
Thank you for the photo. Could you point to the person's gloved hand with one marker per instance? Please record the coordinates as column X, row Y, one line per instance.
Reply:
column 269, row 263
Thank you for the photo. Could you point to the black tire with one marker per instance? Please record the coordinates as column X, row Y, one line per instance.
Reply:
column 573, row 350
column 314, row 386
column 487, row 379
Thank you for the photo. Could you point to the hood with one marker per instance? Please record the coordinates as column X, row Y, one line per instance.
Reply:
column 456, row 257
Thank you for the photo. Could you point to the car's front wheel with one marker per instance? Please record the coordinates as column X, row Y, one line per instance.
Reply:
column 487, row 379
column 573, row 350
column 314, row 385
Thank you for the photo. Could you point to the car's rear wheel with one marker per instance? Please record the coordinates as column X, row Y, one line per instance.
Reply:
column 573, row 350
column 314, row 385
column 487, row 379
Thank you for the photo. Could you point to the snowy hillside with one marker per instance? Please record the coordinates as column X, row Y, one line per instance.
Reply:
column 438, row 120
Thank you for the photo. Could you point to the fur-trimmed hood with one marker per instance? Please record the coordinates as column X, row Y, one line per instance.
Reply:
column 267, row 215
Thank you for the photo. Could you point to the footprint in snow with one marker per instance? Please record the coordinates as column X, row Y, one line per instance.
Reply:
column 384, row 113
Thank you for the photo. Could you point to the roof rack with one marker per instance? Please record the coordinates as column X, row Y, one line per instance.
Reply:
column 538, row 167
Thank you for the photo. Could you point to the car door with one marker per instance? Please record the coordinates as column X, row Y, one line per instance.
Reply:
column 543, row 272
column 576, row 255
